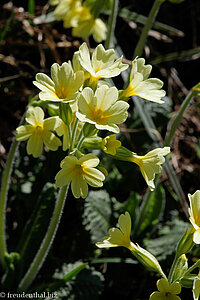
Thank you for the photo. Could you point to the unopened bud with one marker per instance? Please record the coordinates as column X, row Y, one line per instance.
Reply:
column 93, row 142
column 186, row 242
column 89, row 130
column 65, row 113
column 146, row 258
column 181, row 267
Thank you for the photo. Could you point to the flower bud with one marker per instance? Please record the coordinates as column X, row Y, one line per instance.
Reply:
column 93, row 142
column 89, row 130
column 123, row 153
column 181, row 268
column 187, row 281
column 65, row 113
column 186, row 242
column 196, row 89
column 146, row 258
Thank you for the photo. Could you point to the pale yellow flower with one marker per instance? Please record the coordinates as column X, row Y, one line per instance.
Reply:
column 68, row 11
column 88, row 25
column 110, row 144
column 142, row 86
column 194, row 212
column 102, row 108
column 80, row 172
column 150, row 164
column 38, row 131
column 119, row 236
column 102, row 63
column 166, row 291
column 64, row 85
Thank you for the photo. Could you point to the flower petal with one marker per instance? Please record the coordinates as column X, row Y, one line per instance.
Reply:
column 196, row 236
column 89, row 161
column 156, row 296
column 35, row 145
column 175, row 288
column 44, row 82
column 35, row 115
column 51, row 141
column 24, row 132
column 125, row 224
column 52, row 123
column 93, row 177
column 163, row 285
column 63, row 178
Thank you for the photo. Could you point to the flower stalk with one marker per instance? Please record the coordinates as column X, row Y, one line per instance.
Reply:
column 46, row 243
column 3, row 196
column 178, row 117
column 111, row 24
column 3, row 200
column 152, row 15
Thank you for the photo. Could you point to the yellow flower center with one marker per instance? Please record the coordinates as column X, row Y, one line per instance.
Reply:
column 39, row 129
column 197, row 220
column 78, row 169
column 167, row 295
column 129, row 91
column 98, row 116
column 62, row 93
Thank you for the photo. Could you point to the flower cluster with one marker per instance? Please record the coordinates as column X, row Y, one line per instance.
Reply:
column 81, row 18
column 82, row 104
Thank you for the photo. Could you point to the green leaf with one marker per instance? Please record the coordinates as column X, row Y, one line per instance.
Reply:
column 87, row 285
column 54, row 286
column 153, row 212
column 185, row 54
column 31, row 7
column 133, row 16
column 132, row 206
column 168, row 237
column 97, row 213
column 36, row 227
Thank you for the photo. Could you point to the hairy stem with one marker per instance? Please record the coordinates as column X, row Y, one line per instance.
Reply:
column 46, row 243
column 152, row 15
column 3, row 196
column 111, row 24
column 178, row 117
column 3, row 200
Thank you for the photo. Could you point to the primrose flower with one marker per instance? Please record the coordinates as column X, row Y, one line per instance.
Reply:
column 150, row 164
column 196, row 288
column 110, row 144
column 63, row 86
column 90, row 26
column 102, row 64
column 142, row 86
column 119, row 236
column 68, row 11
column 80, row 172
column 166, row 291
column 102, row 108
column 38, row 131
column 194, row 212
